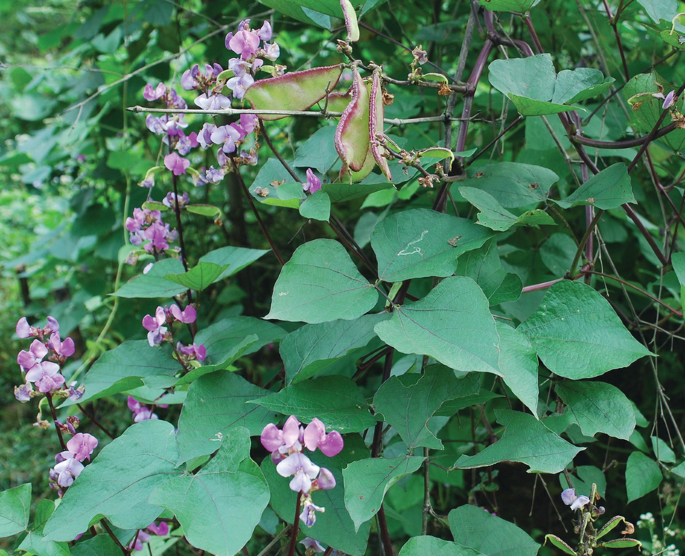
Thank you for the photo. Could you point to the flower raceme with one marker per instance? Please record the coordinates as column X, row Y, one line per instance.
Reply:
column 68, row 463
column 287, row 452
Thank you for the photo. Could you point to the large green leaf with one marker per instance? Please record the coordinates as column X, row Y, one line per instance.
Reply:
column 367, row 481
column 580, row 84
column 236, row 258
column 423, row 545
column 34, row 541
column 335, row 400
column 317, row 207
column 527, row 441
column 224, row 337
column 15, row 504
column 216, row 404
column 118, row 482
column 407, row 403
column 598, row 407
column 333, row 527
column 483, row 265
column 202, row 275
column 421, row 242
column 153, row 284
column 609, row 189
column 320, row 283
column 513, row 184
column 313, row 347
column 642, row 476
column 220, row 505
column 518, row 364
column 318, row 152
column 101, row 545
column 578, row 335
column 494, row 216
column 489, row 534
column 452, row 324
column 126, row 367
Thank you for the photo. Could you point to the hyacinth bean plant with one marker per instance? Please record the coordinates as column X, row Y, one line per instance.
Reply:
column 350, row 277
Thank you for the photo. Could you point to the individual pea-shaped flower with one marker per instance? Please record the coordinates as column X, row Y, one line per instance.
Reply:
column 140, row 412
column 569, row 498
column 309, row 509
column 669, row 100
column 27, row 359
column 313, row 184
column 46, row 376
column 24, row 330
column 325, row 481
column 155, row 326
column 193, row 351
column 81, row 445
column 301, row 468
column 154, row 94
column 176, row 163
column 23, row 393
column 315, row 437
column 188, row 315
column 311, row 546
column 65, row 348
column 67, row 469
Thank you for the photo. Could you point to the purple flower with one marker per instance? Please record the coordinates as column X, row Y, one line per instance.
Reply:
column 27, row 359
column 82, row 445
column 157, row 234
column 67, row 469
column 308, row 515
column 265, row 33
column 188, row 79
column 148, row 182
column 326, row 480
column 240, row 85
column 156, row 125
column 313, row 184
column 244, row 43
column 186, row 143
column 176, row 163
column 176, row 101
column 248, row 122
column 65, row 348
column 669, row 100
column 160, row 530
column 193, row 351
column 226, row 135
column 53, row 325
column 312, row 546
column 171, row 200
column 46, row 376
column 24, row 330
column 154, row 94
column 301, row 468
column 315, row 437
column 140, row 412
column 569, row 498
column 187, row 316
column 23, row 393
column 204, row 138
column 213, row 102
column 212, row 175
column 155, row 326
column 271, row 51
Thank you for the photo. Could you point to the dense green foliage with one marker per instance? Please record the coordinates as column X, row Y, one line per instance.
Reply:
column 484, row 297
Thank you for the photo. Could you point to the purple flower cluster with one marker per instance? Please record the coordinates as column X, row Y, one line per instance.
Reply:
column 41, row 363
column 147, row 226
column 158, row 331
column 287, row 452
column 68, row 464
column 143, row 536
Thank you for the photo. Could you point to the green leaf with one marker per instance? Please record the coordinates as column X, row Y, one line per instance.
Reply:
column 513, row 184
column 419, row 243
column 318, row 152
column 519, row 6
column 34, row 541
column 584, row 477
column 560, row 544
column 494, row 216
column 293, row 9
column 662, row 451
column 527, row 441
column 202, row 275
column 320, row 283
column 152, row 284
column 235, row 258
column 609, row 189
column 296, row 90
column 557, row 253
column 223, row 338
column 642, row 476
column 101, row 545
column 334, row 527
column 367, row 481
column 483, row 265
column 126, row 367
column 518, row 364
column 532, row 77
column 598, row 407
column 317, row 207
column 344, row 192
column 491, row 535
column 15, row 504
column 578, row 335
column 423, row 545
column 118, row 482
column 407, row 403
column 678, row 261
column 579, row 85
column 274, row 186
column 216, row 404
column 220, row 505
column 312, row 347
column 660, row 9
column 452, row 324
column 335, row 400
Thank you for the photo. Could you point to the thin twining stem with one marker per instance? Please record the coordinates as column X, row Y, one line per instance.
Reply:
column 306, row 113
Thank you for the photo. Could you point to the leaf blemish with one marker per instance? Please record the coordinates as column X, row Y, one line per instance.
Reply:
column 414, row 249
